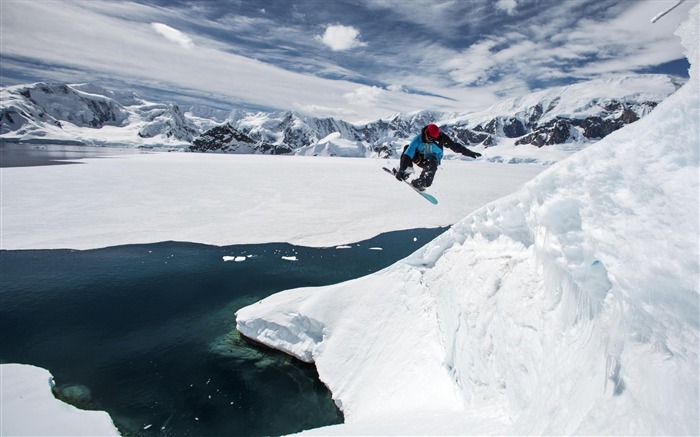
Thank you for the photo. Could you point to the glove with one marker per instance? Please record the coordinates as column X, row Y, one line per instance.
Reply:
column 476, row 154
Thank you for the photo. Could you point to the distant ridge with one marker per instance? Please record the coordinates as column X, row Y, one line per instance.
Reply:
column 575, row 115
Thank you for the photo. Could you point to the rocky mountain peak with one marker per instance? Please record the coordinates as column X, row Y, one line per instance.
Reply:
column 578, row 114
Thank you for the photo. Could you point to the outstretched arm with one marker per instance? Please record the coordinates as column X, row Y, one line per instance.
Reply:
column 446, row 141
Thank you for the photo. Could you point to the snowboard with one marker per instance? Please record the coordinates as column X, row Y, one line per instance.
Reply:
column 425, row 195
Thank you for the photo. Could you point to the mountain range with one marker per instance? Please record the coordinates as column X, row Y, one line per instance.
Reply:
column 570, row 117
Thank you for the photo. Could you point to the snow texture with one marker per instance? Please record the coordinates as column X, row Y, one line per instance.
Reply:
column 568, row 307
column 30, row 409
column 233, row 199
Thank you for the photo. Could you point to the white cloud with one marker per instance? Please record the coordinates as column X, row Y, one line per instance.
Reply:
column 326, row 111
column 89, row 41
column 339, row 37
column 472, row 65
column 173, row 35
column 566, row 46
column 364, row 96
column 397, row 88
column 66, row 36
column 507, row 5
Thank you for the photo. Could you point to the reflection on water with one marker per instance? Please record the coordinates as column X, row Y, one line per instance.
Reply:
column 147, row 332
column 30, row 155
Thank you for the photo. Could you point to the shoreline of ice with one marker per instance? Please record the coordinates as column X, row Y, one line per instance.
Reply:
column 30, row 408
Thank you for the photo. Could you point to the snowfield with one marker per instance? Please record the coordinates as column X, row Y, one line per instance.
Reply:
column 234, row 199
column 29, row 408
column 568, row 307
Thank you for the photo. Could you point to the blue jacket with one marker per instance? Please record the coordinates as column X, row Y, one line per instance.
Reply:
column 425, row 149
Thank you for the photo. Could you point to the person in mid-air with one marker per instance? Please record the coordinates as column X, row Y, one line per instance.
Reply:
column 426, row 150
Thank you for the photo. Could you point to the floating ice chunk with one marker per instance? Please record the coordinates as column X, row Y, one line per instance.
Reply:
column 290, row 258
column 235, row 258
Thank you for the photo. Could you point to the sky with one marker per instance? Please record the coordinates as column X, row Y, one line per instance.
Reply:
column 355, row 60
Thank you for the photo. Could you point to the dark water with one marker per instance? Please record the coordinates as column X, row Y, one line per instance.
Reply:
column 149, row 330
column 30, row 155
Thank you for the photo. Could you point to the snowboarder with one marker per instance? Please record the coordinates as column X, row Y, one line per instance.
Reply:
column 426, row 150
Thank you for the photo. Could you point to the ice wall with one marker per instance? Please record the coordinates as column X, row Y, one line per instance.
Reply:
column 573, row 304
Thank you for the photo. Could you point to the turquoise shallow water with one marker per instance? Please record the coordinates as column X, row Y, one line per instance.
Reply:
column 147, row 332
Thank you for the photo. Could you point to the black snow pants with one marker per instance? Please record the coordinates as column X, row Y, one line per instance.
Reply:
column 429, row 166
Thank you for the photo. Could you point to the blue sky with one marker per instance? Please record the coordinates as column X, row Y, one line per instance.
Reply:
column 357, row 60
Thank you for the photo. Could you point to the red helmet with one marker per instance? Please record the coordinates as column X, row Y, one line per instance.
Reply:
column 433, row 131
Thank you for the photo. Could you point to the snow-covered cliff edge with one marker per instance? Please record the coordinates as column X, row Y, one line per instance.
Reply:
column 568, row 307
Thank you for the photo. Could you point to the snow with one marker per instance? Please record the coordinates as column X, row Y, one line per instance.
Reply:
column 221, row 200
column 29, row 408
column 335, row 145
column 91, row 115
column 568, row 307
column 575, row 101
column 233, row 199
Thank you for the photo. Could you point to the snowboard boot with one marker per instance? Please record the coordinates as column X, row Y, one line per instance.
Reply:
column 404, row 174
column 416, row 183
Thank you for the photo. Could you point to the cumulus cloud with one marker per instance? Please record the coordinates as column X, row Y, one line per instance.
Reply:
column 507, row 5
column 363, row 96
column 173, row 35
column 339, row 37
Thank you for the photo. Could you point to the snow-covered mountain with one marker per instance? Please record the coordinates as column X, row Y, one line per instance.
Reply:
column 291, row 132
column 568, row 117
column 570, row 307
column 575, row 115
column 91, row 115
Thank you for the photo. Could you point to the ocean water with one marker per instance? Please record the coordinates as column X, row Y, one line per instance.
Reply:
column 31, row 155
column 147, row 332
